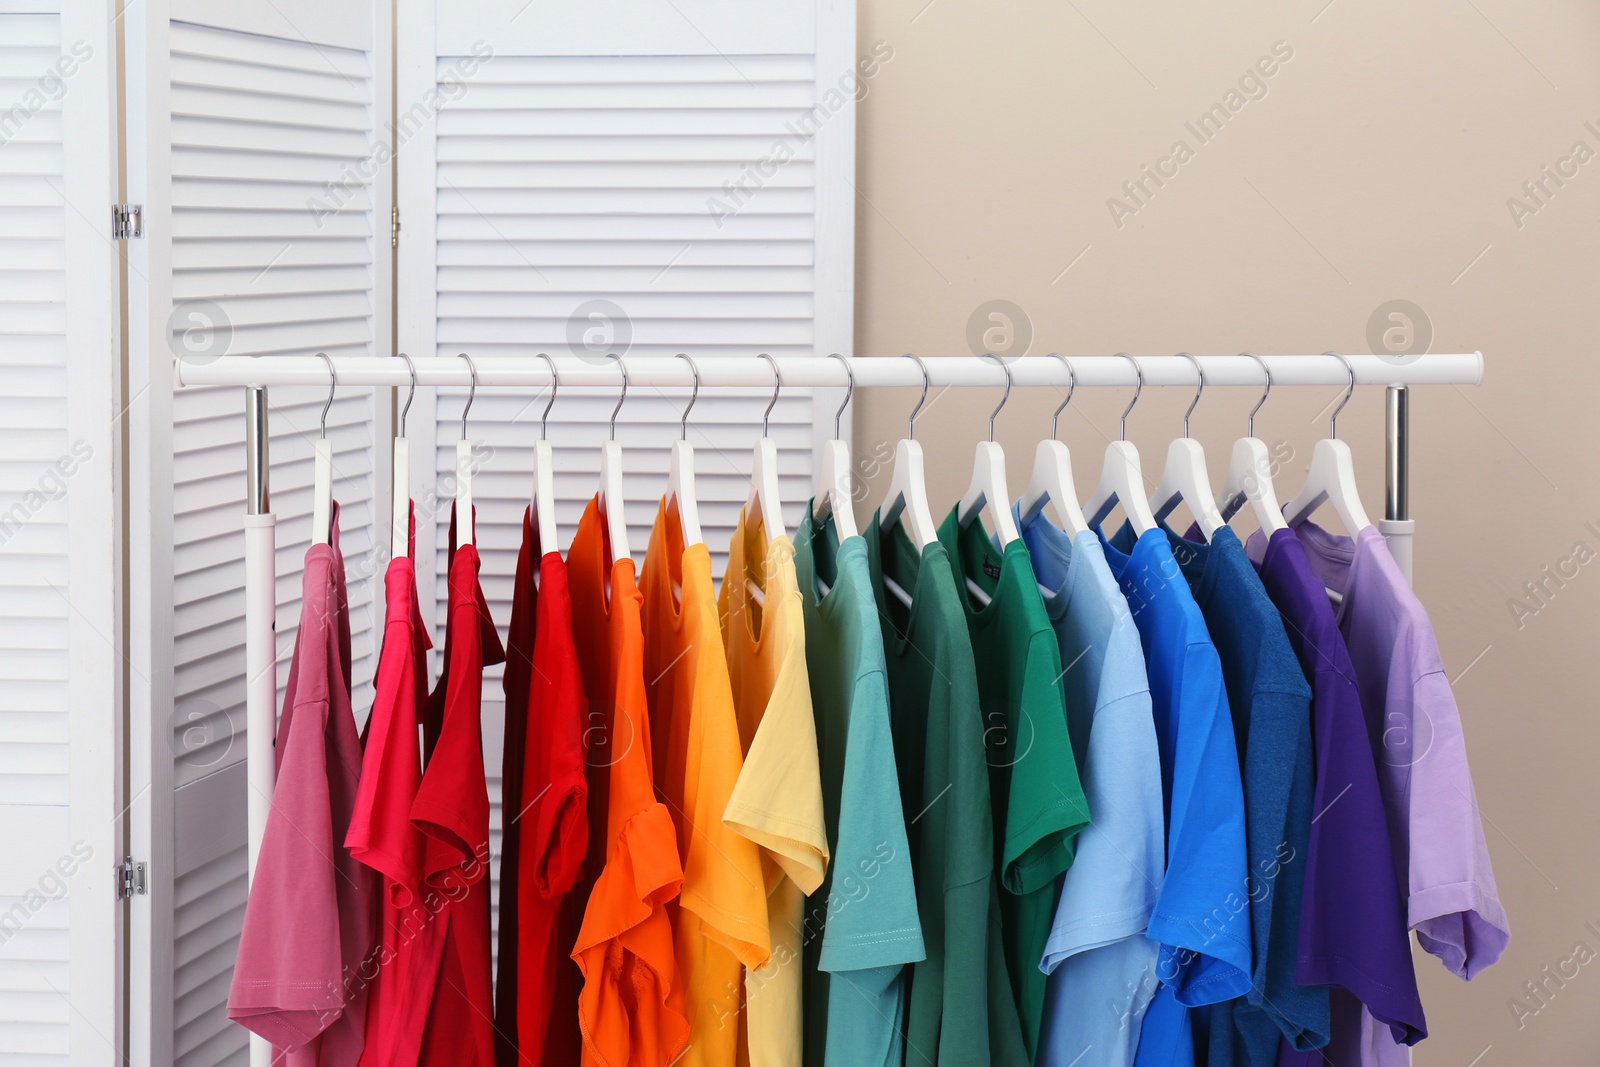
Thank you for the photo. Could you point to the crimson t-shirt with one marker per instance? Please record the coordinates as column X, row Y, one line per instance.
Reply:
column 452, row 809
column 543, row 803
column 400, row 976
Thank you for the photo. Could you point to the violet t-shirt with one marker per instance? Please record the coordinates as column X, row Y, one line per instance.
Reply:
column 1415, row 731
column 1353, row 932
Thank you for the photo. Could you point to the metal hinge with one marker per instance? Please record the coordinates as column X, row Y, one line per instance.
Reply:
column 130, row 879
column 394, row 227
column 127, row 220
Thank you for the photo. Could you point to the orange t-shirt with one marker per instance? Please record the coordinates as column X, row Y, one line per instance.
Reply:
column 719, row 923
column 624, row 947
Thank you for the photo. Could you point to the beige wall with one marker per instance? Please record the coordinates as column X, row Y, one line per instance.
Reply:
column 1377, row 166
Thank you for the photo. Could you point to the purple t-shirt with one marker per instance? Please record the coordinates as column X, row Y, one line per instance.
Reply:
column 1415, row 731
column 1352, row 920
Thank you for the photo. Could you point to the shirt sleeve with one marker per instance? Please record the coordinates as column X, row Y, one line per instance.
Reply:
column 287, row 981
column 1046, row 807
column 1454, row 905
column 1202, row 916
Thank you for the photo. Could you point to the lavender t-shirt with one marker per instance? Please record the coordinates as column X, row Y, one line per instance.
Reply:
column 1415, row 730
column 1353, row 932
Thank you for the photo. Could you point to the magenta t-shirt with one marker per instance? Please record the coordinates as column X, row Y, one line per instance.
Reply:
column 1415, row 729
column 309, row 922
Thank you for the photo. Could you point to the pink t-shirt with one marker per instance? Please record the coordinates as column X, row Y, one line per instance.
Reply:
column 309, row 922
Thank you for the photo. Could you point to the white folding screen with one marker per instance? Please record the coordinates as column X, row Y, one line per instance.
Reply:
column 58, row 518
column 260, row 147
column 641, row 176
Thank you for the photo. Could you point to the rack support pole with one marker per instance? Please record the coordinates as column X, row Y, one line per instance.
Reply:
column 1397, row 526
column 260, row 648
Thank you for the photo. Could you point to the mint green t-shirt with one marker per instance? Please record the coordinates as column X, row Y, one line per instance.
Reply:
column 861, row 926
column 1036, row 798
column 944, row 792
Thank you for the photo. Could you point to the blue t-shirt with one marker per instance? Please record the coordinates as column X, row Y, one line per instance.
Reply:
column 861, row 925
column 1271, row 705
column 1202, row 915
column 1100, row 964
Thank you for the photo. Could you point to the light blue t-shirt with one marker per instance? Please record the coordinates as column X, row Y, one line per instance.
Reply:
column 861, row 927
column 1202, row 916
column 1101, row 966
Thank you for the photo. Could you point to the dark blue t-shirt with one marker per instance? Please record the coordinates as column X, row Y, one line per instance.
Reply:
column 1271, row 706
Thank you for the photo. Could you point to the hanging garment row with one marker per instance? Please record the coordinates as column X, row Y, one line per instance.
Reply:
column 999, row 789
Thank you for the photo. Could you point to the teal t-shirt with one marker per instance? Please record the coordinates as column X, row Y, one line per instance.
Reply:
column 1035, row 796
column 944, row 792
column 861, row 926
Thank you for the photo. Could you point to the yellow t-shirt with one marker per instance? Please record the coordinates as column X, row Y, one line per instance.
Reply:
column 719, row 921
column 777, row 801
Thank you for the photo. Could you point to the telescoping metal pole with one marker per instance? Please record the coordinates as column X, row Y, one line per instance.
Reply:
column 260, row 641
column 1397, row 526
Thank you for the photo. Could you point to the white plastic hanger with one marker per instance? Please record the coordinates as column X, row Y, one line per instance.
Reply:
column 1121, row 480
column 680, row 470
column 1185, row 477
column 544, row 475
column 322, row 469
column 465, row 534
column 1250, row 471
column 908, row 490
column 764, row 498
column 1333, row 474
column 611, row 494
column 833, row 495
column 987, row 492
column 1051, row 482
column 400, row 498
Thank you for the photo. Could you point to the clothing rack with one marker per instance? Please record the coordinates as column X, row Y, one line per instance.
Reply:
column 256, row 374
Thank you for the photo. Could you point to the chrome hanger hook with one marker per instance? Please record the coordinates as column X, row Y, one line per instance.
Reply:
column 472, row 391
column 1138, row 374
column 1005, row 366
column 683, row 423
column 911, row 419
column 411, row 368
column 850, row 391
column 1072, row 377
column 1250, row 420
column 777, row 387
column 1201, row 388
column 555, row 383
column 623, row 367
column 333, row 383
column 1333, row 420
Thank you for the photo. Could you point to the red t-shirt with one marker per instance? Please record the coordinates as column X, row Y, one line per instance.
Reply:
column 308, row 925
column 545, row 822
column 452, row 810
column 400, row 976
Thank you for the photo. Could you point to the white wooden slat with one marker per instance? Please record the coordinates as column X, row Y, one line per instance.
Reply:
column 278, row 227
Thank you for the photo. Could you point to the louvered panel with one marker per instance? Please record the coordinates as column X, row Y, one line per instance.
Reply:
column 34, row 1010
column 273, row 236
column 33, row 421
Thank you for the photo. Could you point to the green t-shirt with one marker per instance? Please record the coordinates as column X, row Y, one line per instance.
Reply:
column 861, row 927
column 1037, row 801
column 944, row 790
